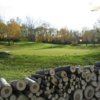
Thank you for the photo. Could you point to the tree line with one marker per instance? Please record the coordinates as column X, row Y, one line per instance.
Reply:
column 13, row 30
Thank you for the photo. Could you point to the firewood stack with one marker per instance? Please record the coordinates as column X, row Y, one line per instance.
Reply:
column 62, row 83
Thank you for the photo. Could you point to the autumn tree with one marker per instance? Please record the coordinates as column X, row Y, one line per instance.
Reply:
column 63, row 35
column 2, row 29
column 13, row 31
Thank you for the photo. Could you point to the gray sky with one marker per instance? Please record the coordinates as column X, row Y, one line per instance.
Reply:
column 74, row 14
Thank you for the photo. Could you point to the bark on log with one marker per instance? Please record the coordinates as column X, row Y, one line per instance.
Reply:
column 33, row 85
column 5, row 88
column 38, row 76
column 43, row 72
column 63, row 83
column 19, row 85
column 68, row 69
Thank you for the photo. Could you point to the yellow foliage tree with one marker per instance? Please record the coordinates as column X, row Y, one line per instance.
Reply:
column 13, row 31
column 2, row 29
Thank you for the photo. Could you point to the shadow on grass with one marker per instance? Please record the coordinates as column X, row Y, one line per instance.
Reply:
column 4, row 54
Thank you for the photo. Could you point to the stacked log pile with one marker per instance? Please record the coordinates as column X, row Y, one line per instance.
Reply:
column 62, row 83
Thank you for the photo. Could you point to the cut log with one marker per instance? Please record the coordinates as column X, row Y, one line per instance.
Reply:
column 73, row 69
column 60, row 85
column 89, row 68
column 50, row 96
column 43, row 72
column 28, row 93
column 38, row 76
column 79, row 70
column 66, row 96
column 13, row 97
column 39, row 93
column 65, row 68
column 1, row 98
column 53, row 98
column 88, row 77
column 5, row 88
column 69, row 91
column 97, row 94
column 33, row 98
column 78, row 95
column 83, row 82
column 73, row 76
column 40, row 98
column 22, row 97
column 19, row 85
column 89, row 92
column 93, row 99
column 94, row 83
column 84, row 86
column 54, row 81
column 72, row 88
column 6, row 99
column 83, row 74
column 65, row 79
column 61, row 98
column 56, row 96
column 33, row 85
column 93, row 76
column 98, row 86
column 52, row 72
column 63, row 74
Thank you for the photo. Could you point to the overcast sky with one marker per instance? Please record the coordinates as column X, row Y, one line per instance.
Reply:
column 74, row 14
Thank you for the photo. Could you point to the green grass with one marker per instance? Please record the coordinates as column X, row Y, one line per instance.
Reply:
column 27, row 57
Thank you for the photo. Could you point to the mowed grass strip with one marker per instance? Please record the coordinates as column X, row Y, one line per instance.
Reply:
column 41, row 49
column 27, row 57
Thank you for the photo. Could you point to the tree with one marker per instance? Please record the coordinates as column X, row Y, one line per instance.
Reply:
column 89, row 36
column 63, row 35
column 24, row 32
column 74, row 37
column 43, row 33
column 97, row 30
column 13, row 31
column 30, row 25
column 2, row 29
